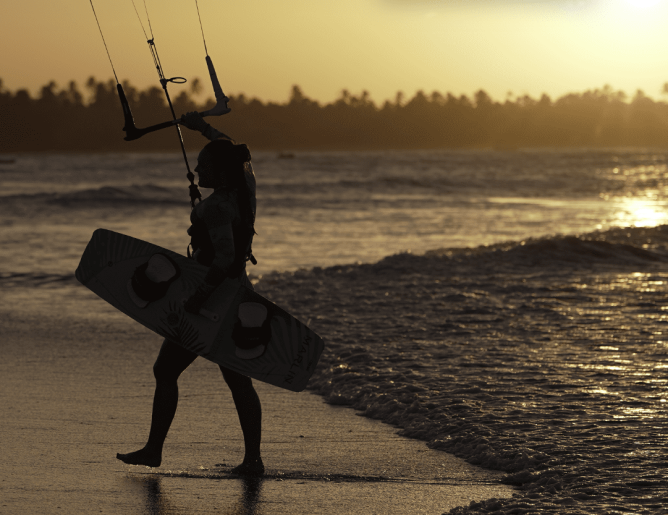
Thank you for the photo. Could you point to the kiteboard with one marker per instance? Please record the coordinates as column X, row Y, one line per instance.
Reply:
column 236, row 327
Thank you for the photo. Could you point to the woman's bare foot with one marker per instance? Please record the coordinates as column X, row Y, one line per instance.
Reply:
column 252, row 468
column 141, row 457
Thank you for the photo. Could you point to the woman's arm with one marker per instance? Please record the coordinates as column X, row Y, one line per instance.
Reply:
column 195, row 122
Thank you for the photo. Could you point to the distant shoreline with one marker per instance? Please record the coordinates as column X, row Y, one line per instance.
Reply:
column 66, row 120
column 296, row 151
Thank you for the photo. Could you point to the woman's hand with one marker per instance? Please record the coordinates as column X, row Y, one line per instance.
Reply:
column 197, row 299
column 194, row 303
column 194, row 121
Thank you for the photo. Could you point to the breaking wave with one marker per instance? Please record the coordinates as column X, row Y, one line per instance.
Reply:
column 136, row 194
column 617, row 246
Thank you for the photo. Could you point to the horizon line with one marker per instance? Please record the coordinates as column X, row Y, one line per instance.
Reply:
column 510, row 95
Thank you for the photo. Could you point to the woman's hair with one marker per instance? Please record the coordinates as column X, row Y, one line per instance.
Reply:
column 231, row 159
column 228, row 156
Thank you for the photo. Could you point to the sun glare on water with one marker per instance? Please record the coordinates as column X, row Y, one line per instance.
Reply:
column 635, row 212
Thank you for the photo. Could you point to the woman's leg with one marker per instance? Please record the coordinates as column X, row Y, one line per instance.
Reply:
column 250, row 417
column 172, row 361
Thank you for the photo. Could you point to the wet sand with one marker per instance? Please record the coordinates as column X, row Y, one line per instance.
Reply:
column 76, row 387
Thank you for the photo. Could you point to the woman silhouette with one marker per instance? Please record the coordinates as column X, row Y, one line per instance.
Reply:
column 221, row 235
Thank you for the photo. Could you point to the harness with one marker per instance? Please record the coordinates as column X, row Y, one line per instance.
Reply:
column 203, row 250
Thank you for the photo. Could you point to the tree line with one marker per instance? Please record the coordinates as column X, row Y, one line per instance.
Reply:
column 69, row 119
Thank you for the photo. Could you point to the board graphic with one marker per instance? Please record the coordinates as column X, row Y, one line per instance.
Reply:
column 237, row 327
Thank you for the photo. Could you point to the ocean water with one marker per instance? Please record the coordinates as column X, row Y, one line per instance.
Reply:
column 508, row 307
column 323, row 209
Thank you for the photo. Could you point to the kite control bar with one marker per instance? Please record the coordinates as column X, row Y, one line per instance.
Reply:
column 132, row 132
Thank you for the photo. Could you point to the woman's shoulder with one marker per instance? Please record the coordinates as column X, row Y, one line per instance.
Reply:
column 218, row 208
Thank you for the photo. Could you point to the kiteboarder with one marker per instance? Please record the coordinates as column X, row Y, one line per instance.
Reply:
column 221, row 235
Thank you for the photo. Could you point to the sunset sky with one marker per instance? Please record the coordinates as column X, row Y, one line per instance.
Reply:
column 263, row 47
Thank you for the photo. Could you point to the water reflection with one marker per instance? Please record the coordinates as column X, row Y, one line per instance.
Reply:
column 250, row 504
column 157, row 501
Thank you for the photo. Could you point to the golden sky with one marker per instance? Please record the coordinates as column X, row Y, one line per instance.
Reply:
column 263, row 47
